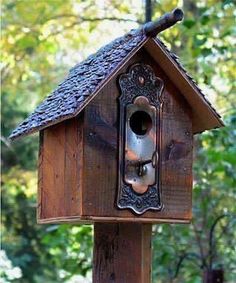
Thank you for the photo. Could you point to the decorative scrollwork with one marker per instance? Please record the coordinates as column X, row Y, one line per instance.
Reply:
column 139, row 203
column 139, row 81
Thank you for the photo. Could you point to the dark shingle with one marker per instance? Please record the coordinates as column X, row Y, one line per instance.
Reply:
column 86, row 78
column 83, row 81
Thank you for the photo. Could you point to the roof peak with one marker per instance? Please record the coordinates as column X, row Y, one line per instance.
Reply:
column 87, row 78
column 164, row 22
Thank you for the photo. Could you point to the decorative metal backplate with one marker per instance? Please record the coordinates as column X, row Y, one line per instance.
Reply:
column 139, row 144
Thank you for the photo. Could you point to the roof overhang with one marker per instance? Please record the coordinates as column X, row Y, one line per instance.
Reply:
column 204, row 115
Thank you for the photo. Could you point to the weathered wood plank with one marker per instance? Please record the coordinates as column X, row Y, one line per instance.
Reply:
column 53, row 171
column 110, row 219
column 40, row 177
column 73, row 159
column 204, row 117
column 80, row 160
column 101, row 154
column 122, row 253
column 60, row 172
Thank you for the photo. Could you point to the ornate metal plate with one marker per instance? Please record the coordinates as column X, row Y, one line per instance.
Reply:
column 140, row 110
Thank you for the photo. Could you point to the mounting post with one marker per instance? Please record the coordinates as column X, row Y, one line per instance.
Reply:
column 122, row 253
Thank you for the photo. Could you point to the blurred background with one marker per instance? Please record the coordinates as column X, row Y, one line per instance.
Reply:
column 41, row 41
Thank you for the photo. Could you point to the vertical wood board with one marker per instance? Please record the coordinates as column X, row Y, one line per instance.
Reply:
column 101, row 154
column 60, row 173
column 122, row 253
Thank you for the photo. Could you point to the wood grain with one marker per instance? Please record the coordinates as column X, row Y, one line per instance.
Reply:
column 60, row 170
column 122, row 253
column 101, row 154
column 40, row 177
column 78, row 162
column 110, row 219
column 204, row 117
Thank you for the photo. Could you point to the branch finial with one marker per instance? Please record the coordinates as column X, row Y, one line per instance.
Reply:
column 164, row 22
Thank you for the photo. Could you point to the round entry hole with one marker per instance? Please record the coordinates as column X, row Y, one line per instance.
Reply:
column 140, row 122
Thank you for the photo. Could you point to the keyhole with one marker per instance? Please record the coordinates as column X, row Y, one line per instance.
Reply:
column 140, row 122
column 142, row 170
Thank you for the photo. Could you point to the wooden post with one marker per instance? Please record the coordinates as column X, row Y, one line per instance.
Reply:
column 122, row 253
column 213, row 276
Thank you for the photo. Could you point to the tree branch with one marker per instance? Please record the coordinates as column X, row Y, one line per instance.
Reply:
column 182, row 258
column 212, row 244
column 88, row 20
column 95, row 19
column 199, row 242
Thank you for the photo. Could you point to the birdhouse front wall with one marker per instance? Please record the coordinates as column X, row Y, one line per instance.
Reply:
column 79, row 159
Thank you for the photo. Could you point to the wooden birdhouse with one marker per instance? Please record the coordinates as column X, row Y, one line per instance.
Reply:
column 116, row 136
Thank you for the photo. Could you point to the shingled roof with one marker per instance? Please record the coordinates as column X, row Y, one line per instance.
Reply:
column 83, row 81
column 87, row 78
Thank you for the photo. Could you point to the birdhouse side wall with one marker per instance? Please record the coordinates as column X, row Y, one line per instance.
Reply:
column 101, row 140
column 60, row 170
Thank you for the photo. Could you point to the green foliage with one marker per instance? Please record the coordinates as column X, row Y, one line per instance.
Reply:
column 41, row 40
column 214, row 195
column 42, row 252
column 205, row 45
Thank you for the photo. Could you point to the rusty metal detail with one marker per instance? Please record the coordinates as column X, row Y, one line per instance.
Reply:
column 140, row 110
